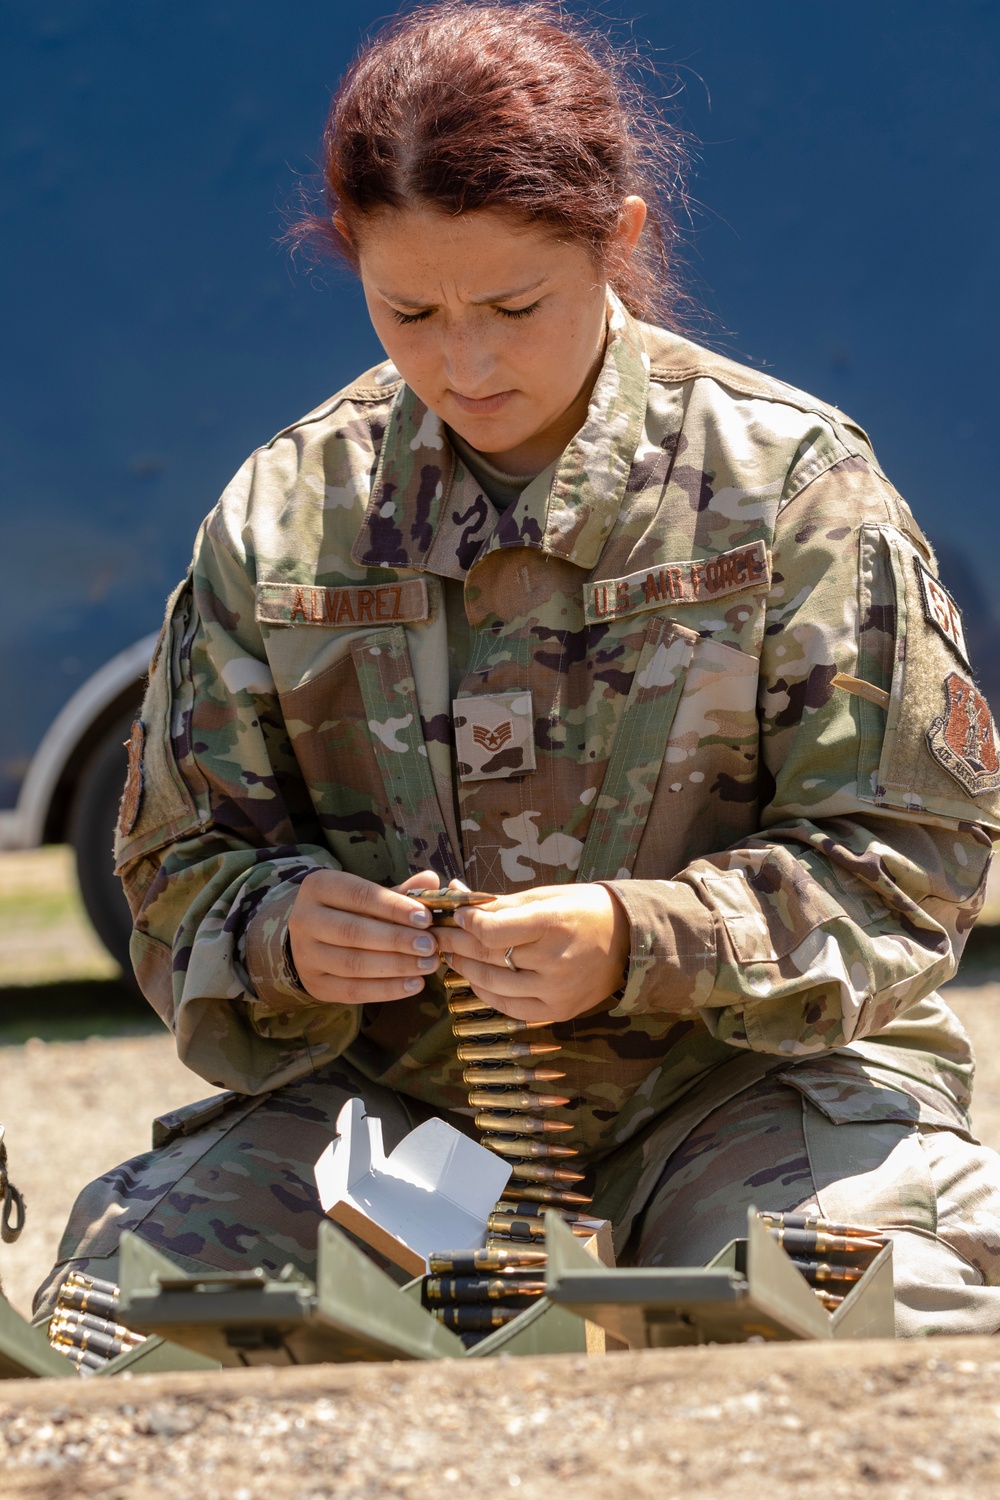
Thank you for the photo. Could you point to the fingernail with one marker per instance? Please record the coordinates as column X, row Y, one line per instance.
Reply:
column 411, row 986
column 421, row 918
column 423, row 944
column 427, row 964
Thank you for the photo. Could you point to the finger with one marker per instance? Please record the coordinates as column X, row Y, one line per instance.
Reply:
column 345, row 929
column 465, row 945
column 345, row 892
column 427, row 880
column 334, row 991
column 359, row 963
column 499, row 928
column 496, row 978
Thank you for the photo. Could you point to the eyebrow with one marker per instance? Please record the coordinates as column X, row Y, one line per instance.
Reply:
column 506, row 296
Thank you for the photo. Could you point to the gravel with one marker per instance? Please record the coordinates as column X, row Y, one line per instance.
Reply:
column 878, row 1418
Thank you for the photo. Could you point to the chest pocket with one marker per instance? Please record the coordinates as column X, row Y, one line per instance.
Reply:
column 636, row 762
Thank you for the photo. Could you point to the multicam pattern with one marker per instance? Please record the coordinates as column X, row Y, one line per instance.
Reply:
column 799, row 871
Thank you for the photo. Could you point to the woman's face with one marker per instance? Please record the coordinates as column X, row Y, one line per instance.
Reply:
column 497, row 327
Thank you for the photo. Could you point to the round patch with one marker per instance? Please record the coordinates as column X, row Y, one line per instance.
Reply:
column 132, row 795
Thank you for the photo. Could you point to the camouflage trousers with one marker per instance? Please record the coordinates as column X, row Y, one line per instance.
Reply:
column 232, row 1186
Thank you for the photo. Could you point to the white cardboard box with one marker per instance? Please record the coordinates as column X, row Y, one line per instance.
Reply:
column 434, row 1192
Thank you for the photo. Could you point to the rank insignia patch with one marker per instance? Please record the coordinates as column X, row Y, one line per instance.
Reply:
column 494, row 736
column 942, row 612
column 964, row 739
column 132, row 795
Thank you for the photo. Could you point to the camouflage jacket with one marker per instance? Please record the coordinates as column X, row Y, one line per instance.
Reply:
column 708, row 662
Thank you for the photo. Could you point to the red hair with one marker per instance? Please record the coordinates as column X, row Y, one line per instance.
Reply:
column 465, row 105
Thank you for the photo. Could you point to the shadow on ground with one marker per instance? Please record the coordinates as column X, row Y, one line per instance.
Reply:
column 73, row 1009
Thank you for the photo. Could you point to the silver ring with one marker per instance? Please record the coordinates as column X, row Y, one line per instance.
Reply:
column 509, row 961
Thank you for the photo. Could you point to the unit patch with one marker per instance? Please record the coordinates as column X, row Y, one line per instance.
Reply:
column 494, row 736
column 350, row 604
column 679, row 583
column 964, row 738
column 942, row 612
column 132, row 795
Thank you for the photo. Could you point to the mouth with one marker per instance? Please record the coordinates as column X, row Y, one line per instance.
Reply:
column 481, row 406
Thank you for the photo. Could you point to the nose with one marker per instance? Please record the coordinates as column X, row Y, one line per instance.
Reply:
column 469, row 362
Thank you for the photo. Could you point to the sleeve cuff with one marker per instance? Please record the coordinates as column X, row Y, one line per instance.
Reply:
column 673, row 952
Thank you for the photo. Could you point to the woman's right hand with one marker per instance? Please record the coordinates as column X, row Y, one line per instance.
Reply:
column 357, row 943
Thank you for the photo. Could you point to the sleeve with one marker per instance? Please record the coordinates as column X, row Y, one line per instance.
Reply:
column 879, row 780
column 216, row 832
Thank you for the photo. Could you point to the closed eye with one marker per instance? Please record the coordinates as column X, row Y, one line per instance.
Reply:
column 519, row 312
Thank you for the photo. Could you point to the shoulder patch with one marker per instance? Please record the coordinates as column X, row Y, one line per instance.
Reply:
column 941, row 611
column 132, row 795
column 964, row 738
column 690, row 582
column 346, row 605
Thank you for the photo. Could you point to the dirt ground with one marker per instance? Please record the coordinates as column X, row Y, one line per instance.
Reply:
column 794, row 1421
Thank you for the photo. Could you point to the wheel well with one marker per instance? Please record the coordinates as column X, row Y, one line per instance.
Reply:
column 57, row 815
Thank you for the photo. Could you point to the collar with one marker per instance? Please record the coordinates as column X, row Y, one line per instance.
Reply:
column 428, row 513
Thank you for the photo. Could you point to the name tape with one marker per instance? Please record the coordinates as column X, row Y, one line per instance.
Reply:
column 680, row 583
column 347, row 604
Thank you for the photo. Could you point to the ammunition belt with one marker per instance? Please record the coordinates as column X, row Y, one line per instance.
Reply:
column 83, row 1324
column 503, row 1071
column 831, row 1257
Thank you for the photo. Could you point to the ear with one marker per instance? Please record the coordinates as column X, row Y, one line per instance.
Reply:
column 631, row 218
column 340, row 225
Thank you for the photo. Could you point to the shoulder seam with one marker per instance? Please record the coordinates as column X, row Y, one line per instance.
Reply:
column 768, row 390
column 365, row 394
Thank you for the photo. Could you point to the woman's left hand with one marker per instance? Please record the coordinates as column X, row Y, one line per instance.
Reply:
column 569, row 943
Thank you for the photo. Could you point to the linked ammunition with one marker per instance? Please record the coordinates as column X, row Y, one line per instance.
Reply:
column 818, row 1270
column 467, row 1262
column 86, row 1300
column 505, row 1051
column 520, row 1124
column 466, row 1005
column 497, row 1073
column 830, row 1300
column 523, row 1207
column 84, row 1359
column 536, row 1172
column 520, row 1146
column 816, row 1242
column 449, row 898
column 501, row 1098
column 475, row 1319
column 495, row 1025
column 90, row 1339
column 554, row 1197
column 475, row 1289
column 527, row 1229
column 70, row 1320
column 823, row 1226
column 79, row 1280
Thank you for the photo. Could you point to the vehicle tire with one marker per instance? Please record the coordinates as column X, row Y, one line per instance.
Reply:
column 91, row 832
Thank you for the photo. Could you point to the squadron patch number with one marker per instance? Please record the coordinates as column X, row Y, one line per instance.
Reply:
column 942, row 612
column 349, row 604
column 679, row 583
column 964, row 739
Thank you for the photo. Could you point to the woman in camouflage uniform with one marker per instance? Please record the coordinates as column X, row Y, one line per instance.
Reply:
column 563, row 605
